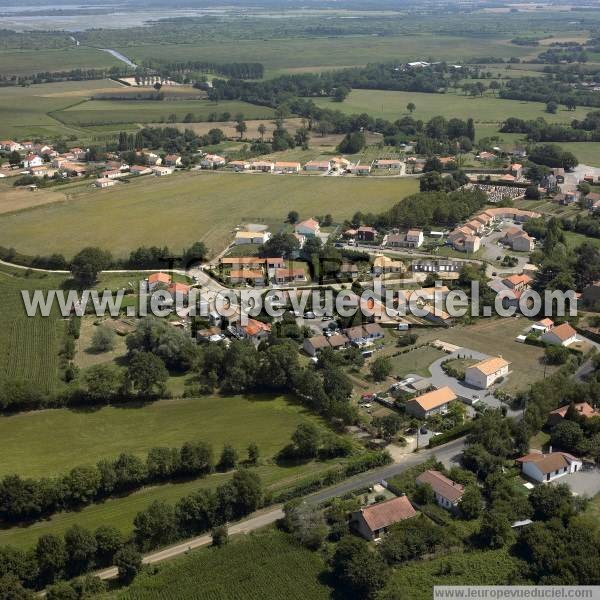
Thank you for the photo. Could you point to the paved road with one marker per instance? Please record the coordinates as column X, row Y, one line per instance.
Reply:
column 448, row 454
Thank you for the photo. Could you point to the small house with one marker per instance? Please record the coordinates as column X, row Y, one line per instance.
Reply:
column 561, row 335
column 448, row 493
column 543, row 468
column 431, row 403
column 486, row 372
column 372, row 522
column 309, row 227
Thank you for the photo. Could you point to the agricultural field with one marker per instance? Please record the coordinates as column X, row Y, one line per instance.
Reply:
column 487, row 109
column 107, row 112
column 261, row 566
column 184, row 208
column 29, row 346
column 14, row 199
column 299, row 54
column 416, row 580
column 26, row 62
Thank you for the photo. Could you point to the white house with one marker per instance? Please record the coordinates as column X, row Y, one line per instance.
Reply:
column 287, row 167
column 548, row 467
column 415, row 238
column 561, row 335
column 308, row 227
column 447, row 492
column 212, row 161
column 104, row 182
column 162, row 171
column 251, row 237
column 486, row 372
column 32, row 160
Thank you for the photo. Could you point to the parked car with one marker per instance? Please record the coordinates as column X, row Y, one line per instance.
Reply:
column 423, row 430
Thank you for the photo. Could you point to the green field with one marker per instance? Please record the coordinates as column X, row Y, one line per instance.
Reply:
column 103, row 112
column 29, row 347
column 184, row 208
column 262, row 566
column 392, row 105
column 26, row 62
column 86, row 436
column 307, row 54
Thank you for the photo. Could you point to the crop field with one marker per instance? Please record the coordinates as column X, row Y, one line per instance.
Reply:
column 416, row 580
column 183, row 208
column 102, row 112
column 29, row 346
column 288, row 55
column 13, row 199
column 262, row 566
column 392, row 105
column 26, row 62
column 24, row 112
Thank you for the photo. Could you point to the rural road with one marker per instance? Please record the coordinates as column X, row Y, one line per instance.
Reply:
column 448, row 454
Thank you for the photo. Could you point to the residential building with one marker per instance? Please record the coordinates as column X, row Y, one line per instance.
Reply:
column 543, row 325
column 582, row 410
column 447, row 492
column 430, row 403
column 413, row 238
column 561, row 335
column 10, row 146
column 436, row 266
column 516, row 170
column 32, row 160
column 172, row 160
column 364, row 334
column 43, row 171
column 239, row 165
column 372, row 522
column 212, row 161
column 385, row 264
column 254, row 276
column 289, row 275
column 543, row 468
column 251, row 237
column 518, row 283
column 265, row 166
column 162, row 171
column 179, row 291
column 140, row 170
column 115, row 174
column 383, row 163
column 486, row 372
column 312, row 346
column 309, row 227
column 366, row 234
column 158, row 279
column 255, row 331
column 360, row 169
column 288, row 167
column 104, row 182
column 317, row 165
column 348, row 269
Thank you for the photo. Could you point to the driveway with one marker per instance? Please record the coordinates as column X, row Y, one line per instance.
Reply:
column 582, row 483
column 577, row 175
column 460, row 388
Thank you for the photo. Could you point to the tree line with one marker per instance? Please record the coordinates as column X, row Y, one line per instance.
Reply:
column 181, row 69
column 545, row 89
column 539, row 130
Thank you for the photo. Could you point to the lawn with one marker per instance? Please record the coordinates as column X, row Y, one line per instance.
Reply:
column 416, row 361
column 29, row 346
column 183, row 208
column 392, row 105
column 497, row 337
column 262, row 566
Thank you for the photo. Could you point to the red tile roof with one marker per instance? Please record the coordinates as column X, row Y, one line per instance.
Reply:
column 442, row 485
column 384, row 514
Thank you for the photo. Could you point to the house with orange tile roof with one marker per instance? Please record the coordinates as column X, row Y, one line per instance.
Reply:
column 583, row 410
column 179, row 291
column 561, row 335
column 253, row 330
column 372, row 522
column 431, row 403
column 157, row 279
column 244, row 275
column 317, row 165
column 308, row 227
column 289, row 275
column 486, row 372
column 288, row 167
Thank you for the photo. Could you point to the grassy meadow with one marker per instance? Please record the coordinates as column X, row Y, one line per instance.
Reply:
column 187, row 207
column 26, row 62
column 487, row 109
column 88, row 435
